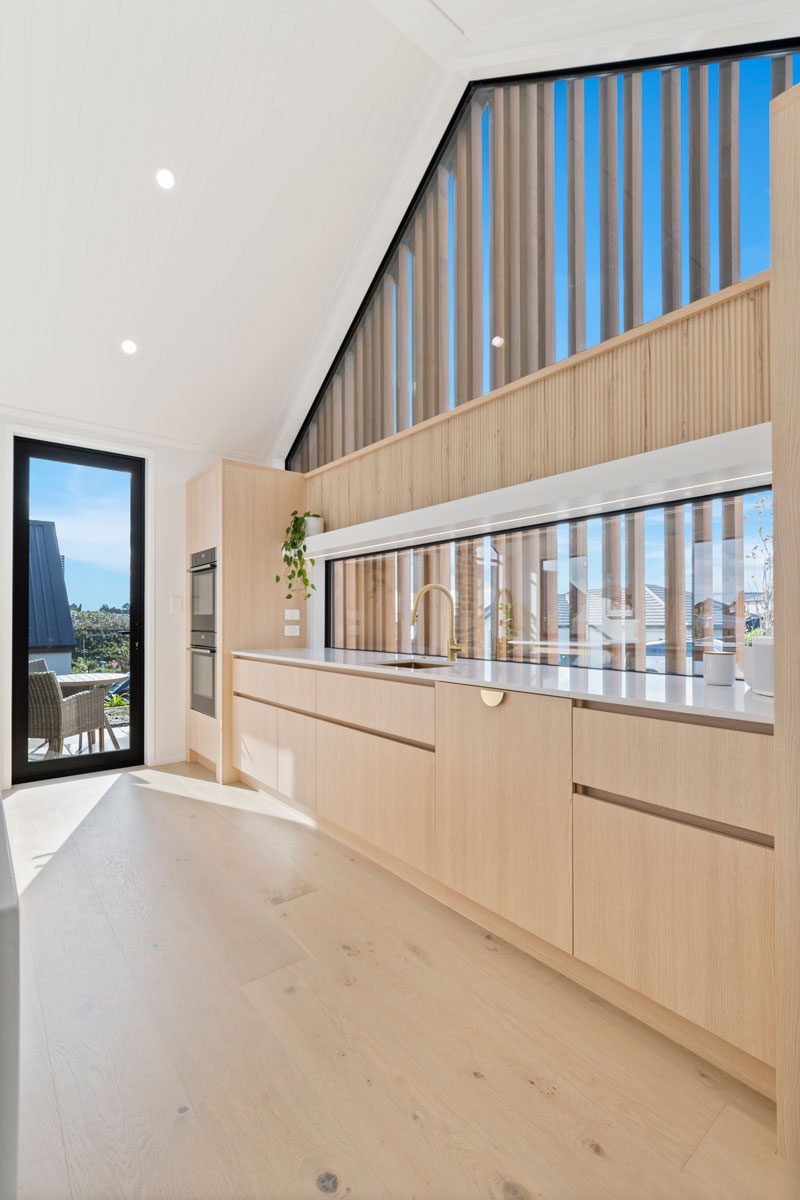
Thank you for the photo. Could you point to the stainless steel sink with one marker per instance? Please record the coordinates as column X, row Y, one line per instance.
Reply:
column 414, row 664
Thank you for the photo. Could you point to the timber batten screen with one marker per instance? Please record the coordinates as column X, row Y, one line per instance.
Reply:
column 557, row 213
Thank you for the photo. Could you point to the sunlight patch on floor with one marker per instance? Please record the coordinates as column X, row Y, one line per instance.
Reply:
column 198, row 784
column 41, row 817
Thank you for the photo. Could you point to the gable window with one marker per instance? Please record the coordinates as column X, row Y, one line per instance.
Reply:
column 557, row 213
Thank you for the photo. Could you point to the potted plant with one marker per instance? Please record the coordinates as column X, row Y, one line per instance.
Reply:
column 293, row 552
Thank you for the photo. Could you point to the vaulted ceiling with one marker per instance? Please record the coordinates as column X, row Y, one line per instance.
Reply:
column 297, row 132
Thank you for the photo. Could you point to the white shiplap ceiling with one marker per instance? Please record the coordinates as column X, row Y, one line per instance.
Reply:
column 297, row 132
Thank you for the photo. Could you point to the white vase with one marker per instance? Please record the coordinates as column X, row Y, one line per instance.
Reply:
column 314, row 525
column 761, row 671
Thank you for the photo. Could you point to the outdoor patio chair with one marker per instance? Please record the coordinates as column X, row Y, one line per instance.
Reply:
column 54, row 718
column 36, row 665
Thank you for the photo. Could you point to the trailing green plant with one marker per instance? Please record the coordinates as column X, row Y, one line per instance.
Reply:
column 295, row 563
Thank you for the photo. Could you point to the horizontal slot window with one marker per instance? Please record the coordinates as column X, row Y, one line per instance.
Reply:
column 641, row 590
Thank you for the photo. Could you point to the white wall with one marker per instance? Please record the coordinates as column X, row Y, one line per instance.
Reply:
column 168, row 467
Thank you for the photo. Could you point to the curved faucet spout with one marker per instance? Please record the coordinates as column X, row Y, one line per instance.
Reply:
column 454, row 647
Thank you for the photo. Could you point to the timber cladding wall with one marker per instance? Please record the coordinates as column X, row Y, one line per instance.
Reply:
column 701, row 370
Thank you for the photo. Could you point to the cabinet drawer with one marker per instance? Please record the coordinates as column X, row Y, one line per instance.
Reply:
column 295, row 687
column 254, row 678
column 378, row 789
column 720, row 774
column 297, row 761
column 255, row 740
column 406, row 710
column 682, row 915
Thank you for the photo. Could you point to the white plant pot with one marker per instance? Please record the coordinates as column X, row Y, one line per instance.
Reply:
column 314, row 525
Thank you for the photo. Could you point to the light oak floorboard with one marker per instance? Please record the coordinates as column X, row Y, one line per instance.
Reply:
column 42, row 1157
column 220, row 1001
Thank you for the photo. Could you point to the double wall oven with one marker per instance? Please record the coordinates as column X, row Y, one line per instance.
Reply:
column 203, row 638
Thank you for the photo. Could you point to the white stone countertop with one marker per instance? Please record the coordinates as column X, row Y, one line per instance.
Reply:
column 631, row 689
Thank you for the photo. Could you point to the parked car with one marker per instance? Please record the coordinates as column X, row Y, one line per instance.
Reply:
column 123, row 689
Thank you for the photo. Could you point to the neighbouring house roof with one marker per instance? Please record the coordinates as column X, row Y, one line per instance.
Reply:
column 49, row 616
column 653, row 607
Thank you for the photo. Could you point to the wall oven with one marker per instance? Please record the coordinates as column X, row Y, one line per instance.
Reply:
column 203, row 576
column 203, row 675
column 203, row 640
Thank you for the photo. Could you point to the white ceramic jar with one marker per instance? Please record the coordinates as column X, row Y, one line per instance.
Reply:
column 719, row 667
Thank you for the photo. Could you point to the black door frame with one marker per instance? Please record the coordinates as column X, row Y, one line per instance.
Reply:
column 24, row 771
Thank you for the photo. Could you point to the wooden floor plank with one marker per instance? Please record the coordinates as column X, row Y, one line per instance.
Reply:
column 405, row 1129
column 43, row 1168
column 737, row 1157
column 124, row 1110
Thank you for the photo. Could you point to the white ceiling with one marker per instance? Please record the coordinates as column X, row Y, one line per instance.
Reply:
column 297, row 132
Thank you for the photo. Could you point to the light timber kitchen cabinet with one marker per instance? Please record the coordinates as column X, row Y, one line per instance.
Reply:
column 297, row 757
column 403, row 710
column 255, row 740
column 503, row 806
column 242, row 510
column 681, row 914
column 722, row 775
column 379, row 789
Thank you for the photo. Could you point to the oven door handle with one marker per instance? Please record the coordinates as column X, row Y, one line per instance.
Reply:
column 199, row 650
column 202, row 567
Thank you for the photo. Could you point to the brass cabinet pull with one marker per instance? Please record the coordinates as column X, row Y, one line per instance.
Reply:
column 491, row 697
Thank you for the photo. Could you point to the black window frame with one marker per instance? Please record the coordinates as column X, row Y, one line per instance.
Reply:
column 23, row 771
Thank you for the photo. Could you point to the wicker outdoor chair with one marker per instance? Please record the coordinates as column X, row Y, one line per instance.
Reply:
column 36, row 665
column 54, row 718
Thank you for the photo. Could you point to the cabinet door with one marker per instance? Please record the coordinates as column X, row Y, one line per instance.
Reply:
column 202, row 511
column 378, row 789
column 297, row 762
column 255, row 740
column 681, row 914
column 503, row 806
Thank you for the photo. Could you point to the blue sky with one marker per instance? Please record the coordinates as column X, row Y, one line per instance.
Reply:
column 91, row 509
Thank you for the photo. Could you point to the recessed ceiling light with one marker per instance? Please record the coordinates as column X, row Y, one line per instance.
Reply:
column 128, row 347
column 498, row 341
column 165, row 178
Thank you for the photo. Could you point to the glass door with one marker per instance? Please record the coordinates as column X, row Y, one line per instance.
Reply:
column 78, row 608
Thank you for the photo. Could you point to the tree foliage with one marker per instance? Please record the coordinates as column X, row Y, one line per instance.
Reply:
column 101, row 637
